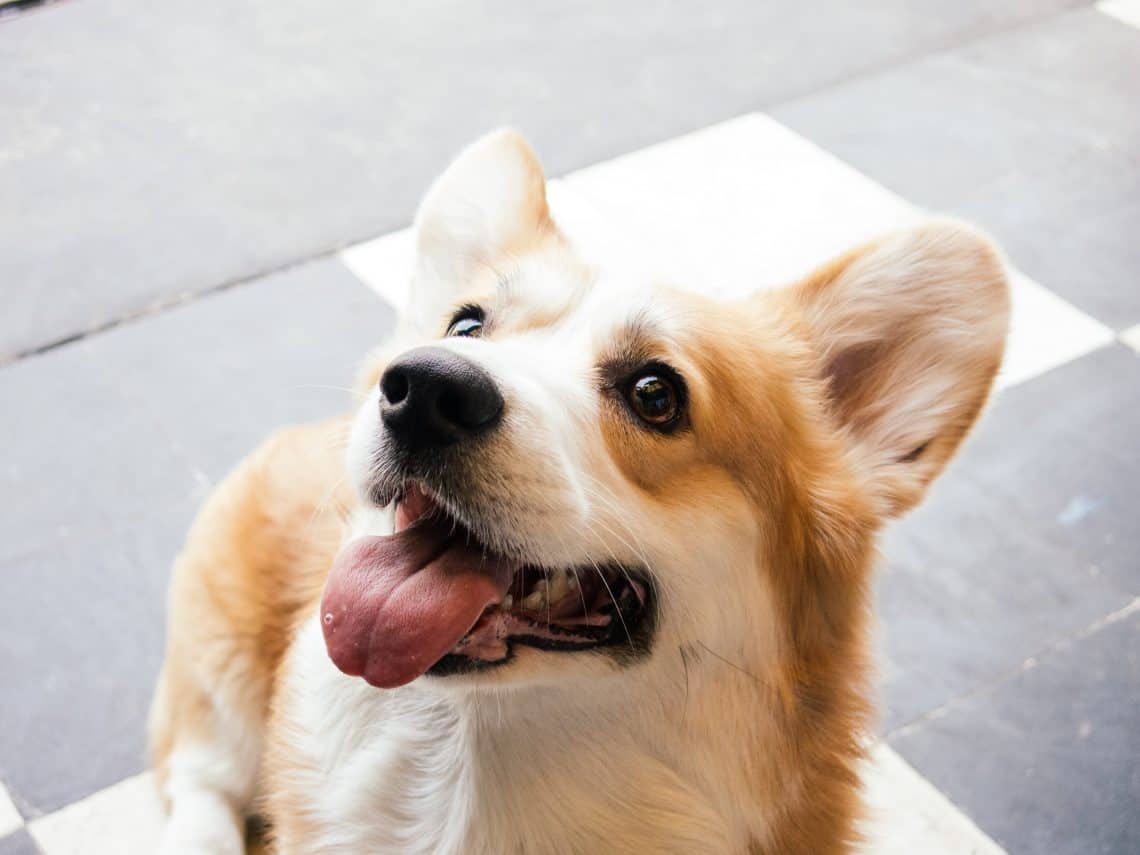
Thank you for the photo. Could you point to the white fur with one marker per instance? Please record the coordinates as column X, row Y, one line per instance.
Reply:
column 551, row 752
column 419, row 770
column 555, row 752
column 566, row 756
column 208, row 787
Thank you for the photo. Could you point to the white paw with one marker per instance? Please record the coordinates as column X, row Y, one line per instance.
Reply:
column 212, row 841
column 202, row 825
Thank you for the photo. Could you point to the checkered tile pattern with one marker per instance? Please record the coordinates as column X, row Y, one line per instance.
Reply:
column 1010, row 602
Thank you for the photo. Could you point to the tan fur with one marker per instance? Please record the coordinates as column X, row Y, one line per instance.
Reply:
column 762, row 413
column 829, row 406
column 756, row 415
column 255, row 561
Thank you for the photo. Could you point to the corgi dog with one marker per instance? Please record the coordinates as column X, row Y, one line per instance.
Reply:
column 589, row 568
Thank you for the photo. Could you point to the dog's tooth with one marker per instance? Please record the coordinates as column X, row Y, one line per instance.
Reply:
column 507, row 602
column 559, row 586
column 537, row 598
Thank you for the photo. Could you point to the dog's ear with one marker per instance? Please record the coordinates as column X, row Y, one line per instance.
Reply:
column 490, row 203
column 909, row 332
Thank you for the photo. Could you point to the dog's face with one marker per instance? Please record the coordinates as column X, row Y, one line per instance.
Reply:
column 589, row 473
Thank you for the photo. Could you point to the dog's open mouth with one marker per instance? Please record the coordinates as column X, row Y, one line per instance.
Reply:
column 432, row 598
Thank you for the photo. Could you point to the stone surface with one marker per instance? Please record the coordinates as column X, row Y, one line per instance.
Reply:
column 151, row 150
column 1050, row 767
column 113, row 443
column 19, row 843
column 1029, row 537
column 1025, row 132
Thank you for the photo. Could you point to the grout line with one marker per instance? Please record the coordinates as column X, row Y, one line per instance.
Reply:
column 1022, row 667
column 191, row 296
column 162, row 306
column 935, row 50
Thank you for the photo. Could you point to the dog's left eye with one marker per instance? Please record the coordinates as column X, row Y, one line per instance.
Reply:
column 655, row 398
column 468, row 321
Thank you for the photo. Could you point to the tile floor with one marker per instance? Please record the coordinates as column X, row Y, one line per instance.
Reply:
column 1010, row 640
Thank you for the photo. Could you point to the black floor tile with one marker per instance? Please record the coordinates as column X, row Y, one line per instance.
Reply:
column 1046, row 763
column 18, row 843
column 109, row 446
column 1030, row 537
column 1033, row 133
column 157, row 148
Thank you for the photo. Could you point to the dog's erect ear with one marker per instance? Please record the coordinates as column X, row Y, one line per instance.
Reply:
column 910, row 332
column 489, row 204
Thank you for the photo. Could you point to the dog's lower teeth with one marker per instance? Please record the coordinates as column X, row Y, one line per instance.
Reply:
column 534, row 600
column 507, row 602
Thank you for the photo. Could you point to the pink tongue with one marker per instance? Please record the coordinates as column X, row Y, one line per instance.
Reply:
column 394, row 606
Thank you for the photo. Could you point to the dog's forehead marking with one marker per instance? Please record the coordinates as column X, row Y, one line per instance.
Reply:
column 540, row 291
column 624, row 305
column 584, row 308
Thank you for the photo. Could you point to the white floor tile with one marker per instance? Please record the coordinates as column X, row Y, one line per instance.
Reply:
column 908, row 815
column 384, row 264
column 736, row 207
column 1131, row 337
column 739, row 206
column 10, row 818
column 1127, row 11
column 1045, row 331
column 125, row 819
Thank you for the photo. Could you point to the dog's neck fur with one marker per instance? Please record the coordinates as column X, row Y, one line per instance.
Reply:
column 619, row 767
column 686, row 752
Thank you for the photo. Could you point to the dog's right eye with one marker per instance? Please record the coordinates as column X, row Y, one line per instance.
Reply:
column 656, row 396
column 468, row 321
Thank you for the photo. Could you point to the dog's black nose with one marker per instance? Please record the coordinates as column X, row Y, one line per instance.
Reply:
column 433, row 397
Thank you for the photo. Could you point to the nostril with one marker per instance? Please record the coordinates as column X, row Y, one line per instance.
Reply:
column 452, row 407
column 394, row 386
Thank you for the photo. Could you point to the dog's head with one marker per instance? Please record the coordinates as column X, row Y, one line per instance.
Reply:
column 587, row 474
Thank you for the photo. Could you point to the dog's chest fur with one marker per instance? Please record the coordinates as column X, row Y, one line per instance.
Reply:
column 402, row 772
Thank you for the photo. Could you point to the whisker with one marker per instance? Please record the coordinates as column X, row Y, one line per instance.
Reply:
column 685, row 664
column 322, row 505
column 602, row 494
column 742, row 670
column 321, row 386
column 613, row 599
column 640, row 552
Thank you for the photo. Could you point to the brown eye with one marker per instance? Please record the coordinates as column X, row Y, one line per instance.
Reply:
column 654, row 399
column 468, row 321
